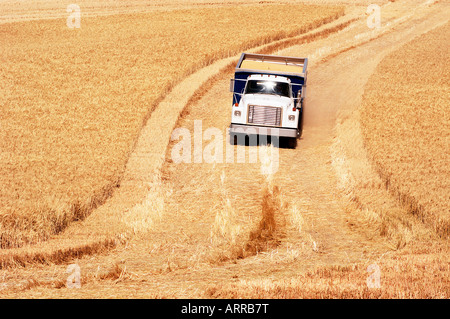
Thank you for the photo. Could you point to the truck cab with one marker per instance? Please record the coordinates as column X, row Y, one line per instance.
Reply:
column 268, row 96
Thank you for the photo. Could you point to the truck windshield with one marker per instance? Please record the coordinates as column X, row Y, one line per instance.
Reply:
column 267, row 87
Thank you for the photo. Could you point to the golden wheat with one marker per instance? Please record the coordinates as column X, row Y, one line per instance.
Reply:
column 406, row 126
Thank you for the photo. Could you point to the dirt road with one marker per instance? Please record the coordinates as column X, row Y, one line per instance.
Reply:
column 177, row 256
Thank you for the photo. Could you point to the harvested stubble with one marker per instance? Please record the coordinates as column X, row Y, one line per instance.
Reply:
column 398, row 279
column 406, row 126
column 74, row 100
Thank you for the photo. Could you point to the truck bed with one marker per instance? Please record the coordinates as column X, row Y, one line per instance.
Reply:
column 276, row 64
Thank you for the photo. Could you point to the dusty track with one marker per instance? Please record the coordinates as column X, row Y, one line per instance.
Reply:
column 171, row 260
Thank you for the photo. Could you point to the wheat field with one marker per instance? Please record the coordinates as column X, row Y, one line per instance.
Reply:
column 83, row 181
column 74, row 100
column 406, row 125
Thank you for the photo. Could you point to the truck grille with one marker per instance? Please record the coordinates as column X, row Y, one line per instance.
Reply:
column 264, row 115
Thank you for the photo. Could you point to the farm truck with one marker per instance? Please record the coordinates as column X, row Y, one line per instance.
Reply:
column 268, row 97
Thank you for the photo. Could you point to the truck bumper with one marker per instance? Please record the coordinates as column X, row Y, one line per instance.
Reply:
column 262, row 130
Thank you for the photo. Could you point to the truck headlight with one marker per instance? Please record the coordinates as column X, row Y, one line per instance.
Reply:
column 291, row 117
column 237, row 113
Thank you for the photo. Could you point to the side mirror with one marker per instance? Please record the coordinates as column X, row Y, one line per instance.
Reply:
column 232, row 85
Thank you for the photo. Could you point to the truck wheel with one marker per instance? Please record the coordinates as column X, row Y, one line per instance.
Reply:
column 292, row 142
column 238, row 138
column 233, row 139
column 300, row 124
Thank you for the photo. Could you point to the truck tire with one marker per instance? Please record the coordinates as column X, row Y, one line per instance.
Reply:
column 300, row 124
column 233, row 139
column 237, row 138
column 292, row 142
